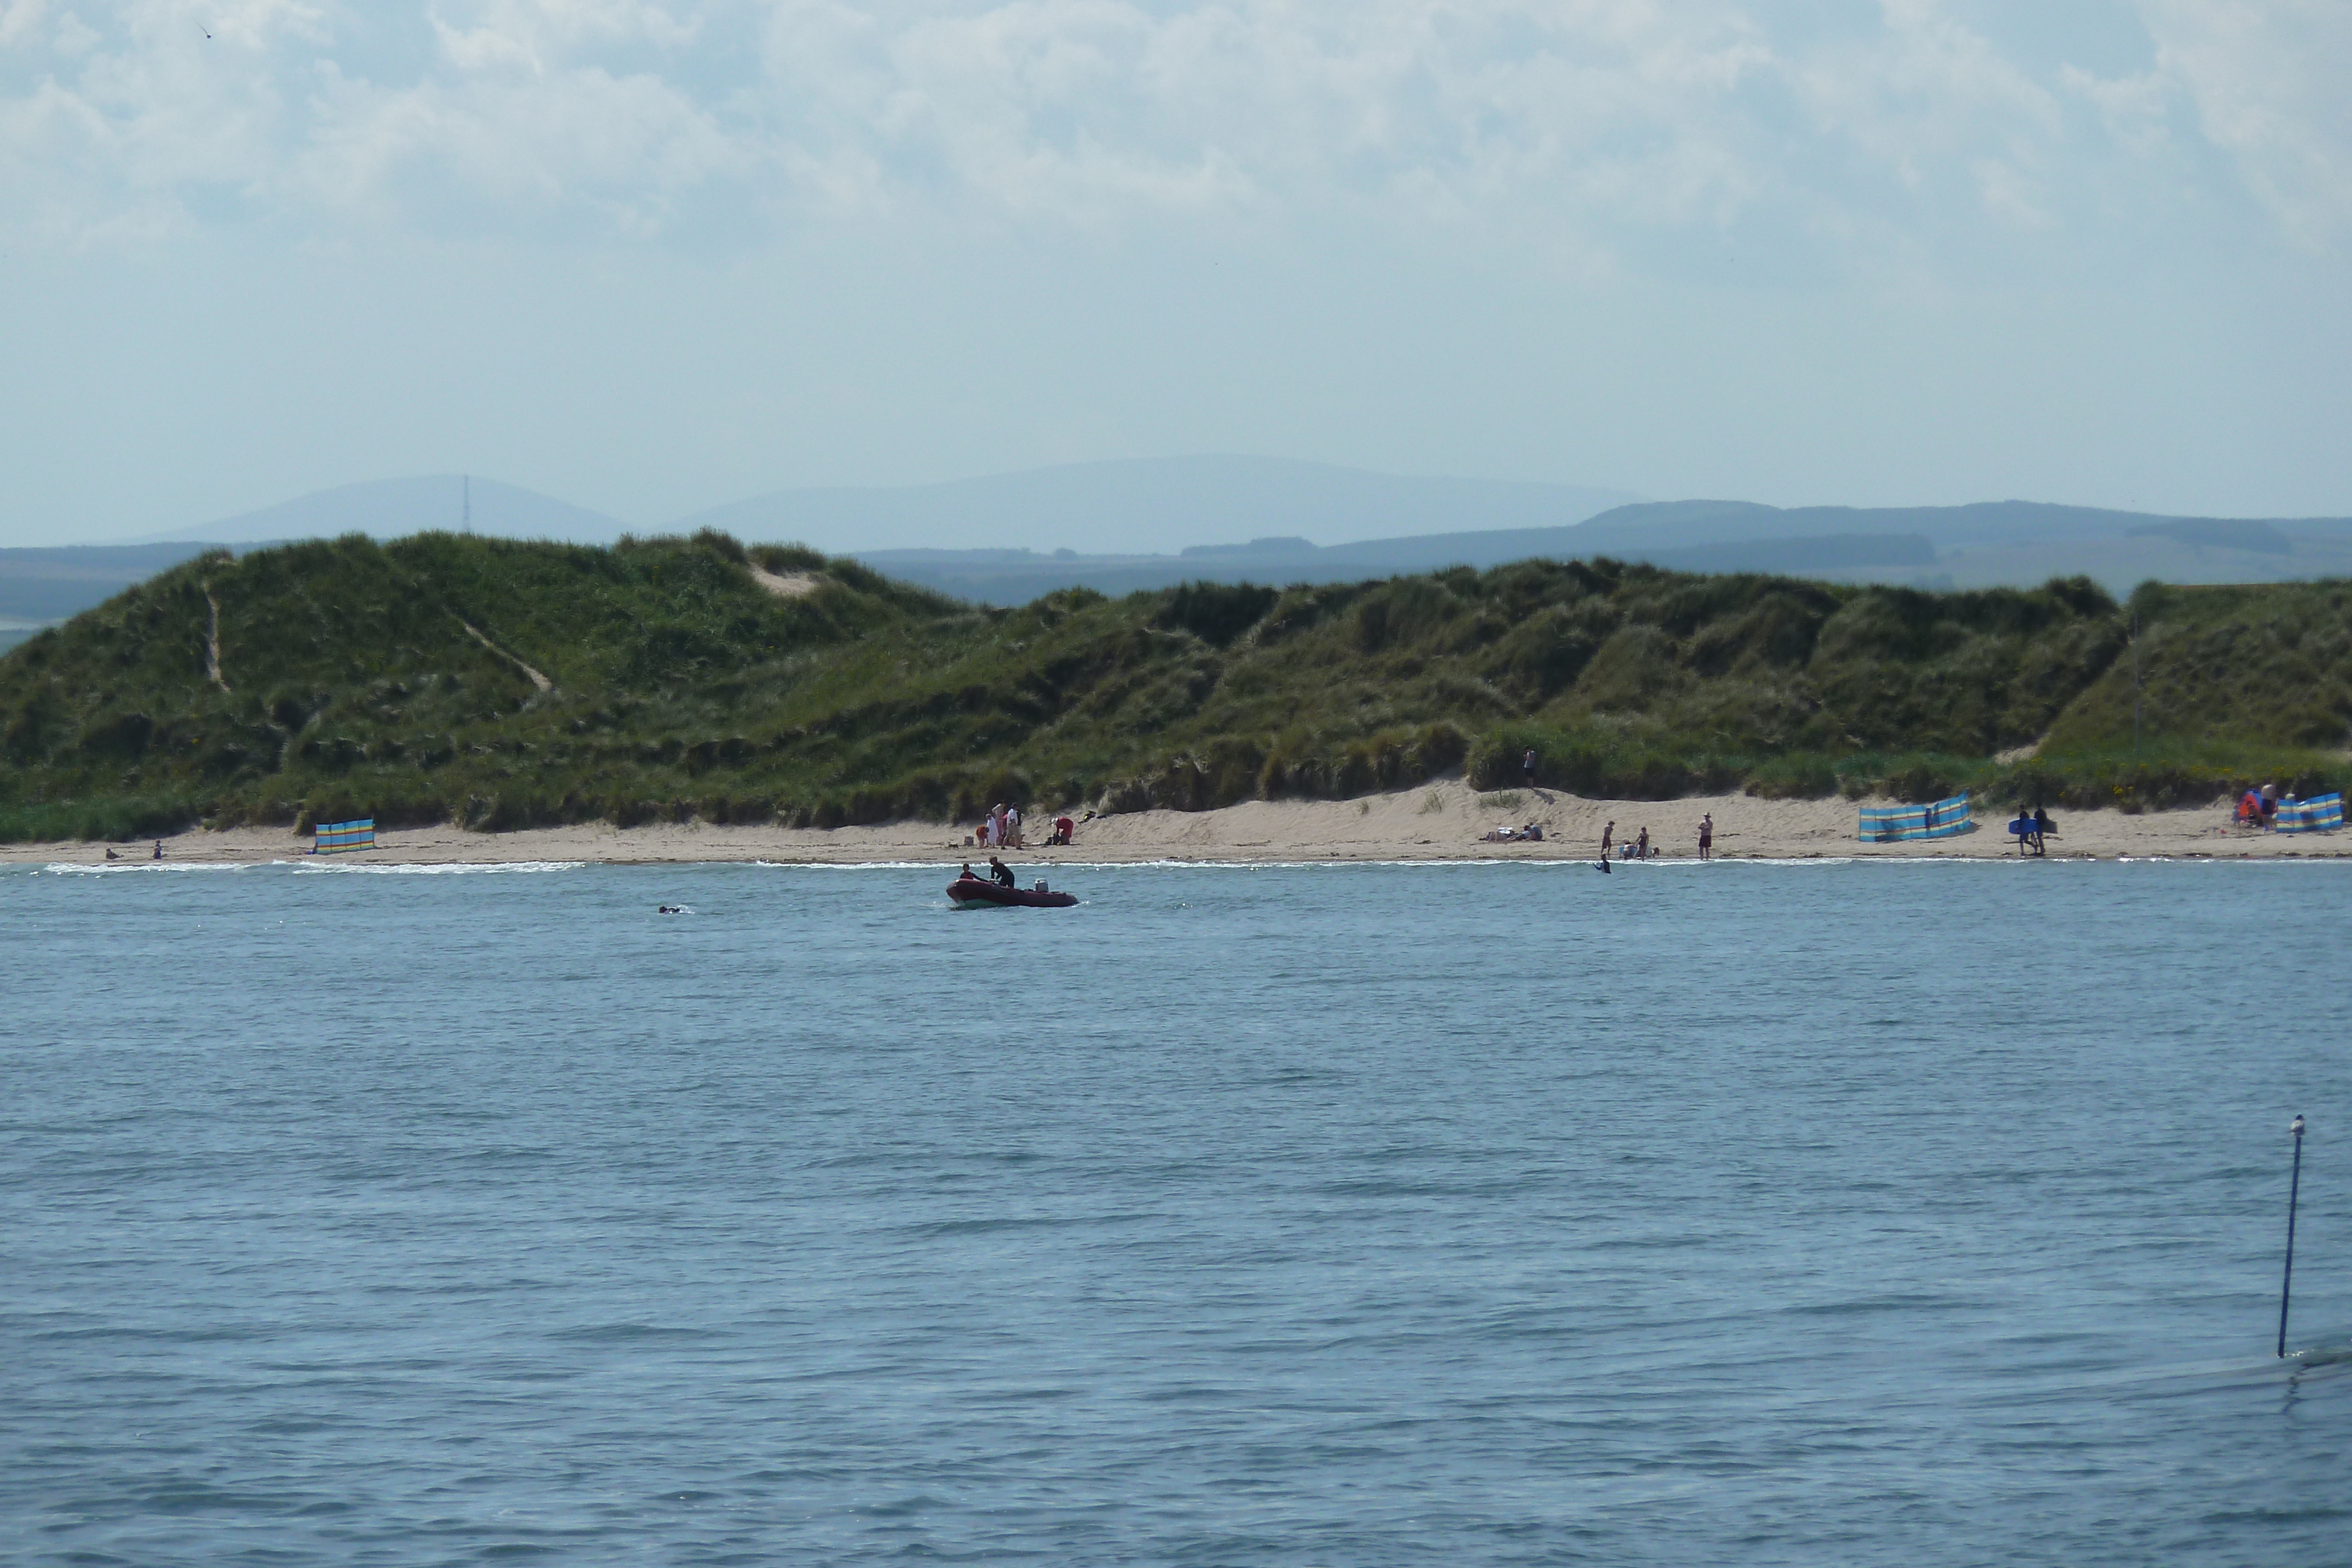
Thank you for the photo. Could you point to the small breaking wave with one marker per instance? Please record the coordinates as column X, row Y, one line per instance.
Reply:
column 443, row 868
column 109, row 868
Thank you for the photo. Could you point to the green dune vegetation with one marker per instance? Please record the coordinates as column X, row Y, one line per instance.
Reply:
column 502, row 684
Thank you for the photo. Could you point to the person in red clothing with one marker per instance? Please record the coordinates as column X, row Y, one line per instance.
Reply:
column 1063, row 829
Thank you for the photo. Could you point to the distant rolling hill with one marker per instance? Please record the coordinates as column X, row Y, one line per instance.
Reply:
column 389, row 508
column 2006, row 543
column 1150, row 523
column 1996, row 544
column 1015, row 577
column 1151, row 506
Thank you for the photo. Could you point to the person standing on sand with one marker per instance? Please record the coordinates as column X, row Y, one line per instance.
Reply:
column 1642, row 844
column 1528, row 767
column 1607, row 834
column 1013, row 826
column 1707, row 837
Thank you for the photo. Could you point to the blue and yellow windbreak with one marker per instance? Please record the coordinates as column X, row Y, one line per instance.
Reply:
column 2317, row 815
column 1895, row 824
column 334, row 838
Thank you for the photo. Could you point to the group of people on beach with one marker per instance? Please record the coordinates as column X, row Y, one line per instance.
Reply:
column 1637, row 848
column 1001, row 829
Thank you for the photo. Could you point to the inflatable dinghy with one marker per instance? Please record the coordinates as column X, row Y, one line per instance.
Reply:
column 971, row 892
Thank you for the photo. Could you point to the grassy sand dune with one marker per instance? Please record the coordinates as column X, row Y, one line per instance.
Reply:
column 498, row 686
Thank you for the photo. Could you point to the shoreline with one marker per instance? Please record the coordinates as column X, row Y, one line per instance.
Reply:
column 1438, row 821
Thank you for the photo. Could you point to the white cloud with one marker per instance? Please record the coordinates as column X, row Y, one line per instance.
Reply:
column 2268, row 82
column 18, row 19
column 1610, row 122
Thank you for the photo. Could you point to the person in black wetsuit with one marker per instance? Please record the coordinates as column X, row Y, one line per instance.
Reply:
column 999, row 873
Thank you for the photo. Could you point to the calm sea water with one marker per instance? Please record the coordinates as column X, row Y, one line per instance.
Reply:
column 1745, row 1213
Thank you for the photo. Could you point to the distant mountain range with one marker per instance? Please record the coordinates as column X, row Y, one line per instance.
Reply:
column 1147, row 524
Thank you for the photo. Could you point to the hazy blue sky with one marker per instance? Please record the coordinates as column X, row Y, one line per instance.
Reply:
column 652, row 257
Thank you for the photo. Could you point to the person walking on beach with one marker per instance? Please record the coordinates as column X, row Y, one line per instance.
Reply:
column 1642, row 844
column 1608, row 836
column 1528, row 767
column 1706, row 836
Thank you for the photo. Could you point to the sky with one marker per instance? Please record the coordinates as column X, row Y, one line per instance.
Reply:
column 656, row 257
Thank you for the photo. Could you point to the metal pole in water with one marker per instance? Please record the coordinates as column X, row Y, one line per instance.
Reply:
column 2295, row 1190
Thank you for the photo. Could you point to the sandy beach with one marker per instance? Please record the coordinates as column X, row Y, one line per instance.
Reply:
column 1436, row 822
